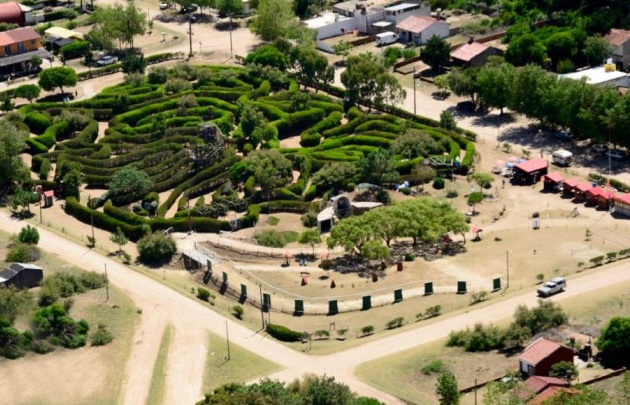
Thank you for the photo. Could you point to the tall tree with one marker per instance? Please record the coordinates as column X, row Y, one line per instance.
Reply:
column 366, row 80
column 312, row 68
column 12, row 144
column 119, row 23
column 436, row 53
column 129, row 183
column 27, row 91
column 596, row 50
column 351, row 234
column 378, row 167
column 613, row 340
column 526, row 49
column 274, row 19
column 446, row 389
column 495, row 85
column 61, row 77
column 463, row 82
column 334, row 176
column 271, row 170
column 310, row 237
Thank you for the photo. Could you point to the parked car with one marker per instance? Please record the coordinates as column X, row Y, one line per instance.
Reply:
column 564, row 135
column 599, row 148
column 164, row 5
column 189, row 9
column 468, row 106
column 616, row 154
column 107, row 60
column 553, row 286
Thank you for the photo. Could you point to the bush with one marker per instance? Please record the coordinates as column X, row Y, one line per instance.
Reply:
column 37, row 123
column 23, row 253
column 29, row 235
column 436, row 366
column 238, row 311
column 203, row 294
column 396, row 323
column 452, row 193
column 271, row 239
column 410, row 257
column 367, row 330
column 438, row 183
column 156, row 248
column 75, row 49
column 101, row 337
column 282, row 333
column 157, row 75
column 42, row 347
column 309, row 219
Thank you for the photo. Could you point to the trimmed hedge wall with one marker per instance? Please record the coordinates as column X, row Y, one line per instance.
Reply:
column 283, row 334
column 37, row 123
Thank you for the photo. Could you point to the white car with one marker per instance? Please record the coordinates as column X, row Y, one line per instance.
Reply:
column 107, row 60
column 164, row 5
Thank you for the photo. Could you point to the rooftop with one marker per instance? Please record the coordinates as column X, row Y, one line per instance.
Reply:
column 10, row 11
column 555, row 177
column 468, row 51
column 538, row 383
column 624, row 198
column 539, row 350
column 416, row 23
column 532, row 165
column 61, row 32
column 22, row 34
column 403, row 6
column 596, row 75
column 617, row 37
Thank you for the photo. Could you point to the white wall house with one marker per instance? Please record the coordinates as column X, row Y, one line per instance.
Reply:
column 419, row 29
column 600, row 76
column 620, row 42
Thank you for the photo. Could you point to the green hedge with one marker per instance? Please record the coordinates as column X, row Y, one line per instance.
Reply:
column 308, row 140
column 75, row 49
column 37, row 123
column 283, row 334
column 251, row 218
column 299, row 207
column 101, row 220
column 469, row 157
column 122, row 214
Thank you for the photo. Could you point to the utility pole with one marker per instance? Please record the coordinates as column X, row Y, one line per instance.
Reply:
column 189, row 224
column 231, row 52
column 414, row 90
column 227, row 337
column 262, row 313
column 92, row 220
column 190, row 21
column 42, row 198
column 106, row 284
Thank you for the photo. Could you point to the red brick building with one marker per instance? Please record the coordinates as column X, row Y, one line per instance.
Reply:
column 538, row 358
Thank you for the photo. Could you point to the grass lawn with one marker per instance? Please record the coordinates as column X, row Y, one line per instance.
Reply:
column 243, row 365
column 156, row 391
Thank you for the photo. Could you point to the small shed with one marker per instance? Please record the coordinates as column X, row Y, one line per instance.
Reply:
column 530, row 171
column 622, row 204
column 473, row 54
column 419, row 29
column 568, row 186
column 48, row 197
column 552, row 182
column 540, row 356
column 21, row 275
column 579, row 191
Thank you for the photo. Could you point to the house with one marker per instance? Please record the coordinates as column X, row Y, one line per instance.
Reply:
column 552, row 182
column 599, row 196
column 538, row 358
column 15, row 13
column 530, row 171
column 17, row 48
column 21, row 275
column 580, row 190
column 606, row 75
column 473, row 54
column 419, row 29
column 342, row 208
column 568, row 186
column 622, row 204
column 537, row 389
column 56, row 37
column 620, row 42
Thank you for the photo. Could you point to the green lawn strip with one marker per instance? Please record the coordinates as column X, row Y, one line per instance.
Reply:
column 156, row 391
column 242, row 366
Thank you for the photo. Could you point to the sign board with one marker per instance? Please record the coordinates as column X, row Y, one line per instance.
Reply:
column 496, row 284
column 299, row 307
column 209, row 265
column 266, row 302
column 367, row 302
column 398, row 295
column 428, row 288
column 461, row 287
column 243, row 290
column 225, row 277
column 333, row 308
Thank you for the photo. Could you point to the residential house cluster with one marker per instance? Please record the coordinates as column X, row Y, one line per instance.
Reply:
column 17, row 49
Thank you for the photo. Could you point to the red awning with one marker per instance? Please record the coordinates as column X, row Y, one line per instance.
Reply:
column 594, row 191
column 476, row 229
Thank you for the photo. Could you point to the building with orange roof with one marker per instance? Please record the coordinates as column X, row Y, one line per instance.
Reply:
column 538, row 358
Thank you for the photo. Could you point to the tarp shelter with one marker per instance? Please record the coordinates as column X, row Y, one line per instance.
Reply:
column 530, row 171
column 476, row 231
column 48, row 197
column 552, row 181
column 21, row 275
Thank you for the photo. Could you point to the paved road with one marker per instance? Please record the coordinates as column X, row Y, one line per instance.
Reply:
column 192, row 321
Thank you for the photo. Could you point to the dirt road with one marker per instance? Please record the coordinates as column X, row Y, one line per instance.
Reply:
column 192, row 321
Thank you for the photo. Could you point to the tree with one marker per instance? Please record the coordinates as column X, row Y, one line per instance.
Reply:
column 387, row 223
column 119, row 238
column 311, row 67
column 366, row 80
column 495, row 85
column 271, row 169
column 562, row 45
column 447, row 120
column 342, row 48
column 614, row 338
column 565, row 370
column 436, row 53
column 446, row 388
column 229, row 7
column 499, row 393
column 118, row 23
column 586, row 396
column 351, row 234
column 333, row 177
column 129, row 183
column 475, row 198
column 378, row 167
column 596, row 50
column 515, row 335
column 310, row 237
column 463, row 82
column 12, row 167
column 274, row 19
column 524, row 50
column 252, row 123
column 375, row 250
column 51, row 78
column 27, row 91
column 156, row 248
column 23, row 198
column 134, row 64
column 29, row 235
column 69, row 173
column 483, row 180
column 14, row 302
column 36, row 62
column 415, row 143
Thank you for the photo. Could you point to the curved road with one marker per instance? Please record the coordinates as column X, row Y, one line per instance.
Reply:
column 192, row 321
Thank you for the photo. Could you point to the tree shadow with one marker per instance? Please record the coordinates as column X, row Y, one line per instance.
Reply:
column 21, row 215
column 494, row 120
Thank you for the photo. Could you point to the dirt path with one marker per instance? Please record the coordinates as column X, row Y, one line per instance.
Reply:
column 192, row 322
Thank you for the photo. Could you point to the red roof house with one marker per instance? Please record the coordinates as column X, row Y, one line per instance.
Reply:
column 552, row 181
column 530, row 171
column 536, row 388
column 622, row 204
column 472, row 54
column 11, row 13
column 420, row 28
column 538, row 358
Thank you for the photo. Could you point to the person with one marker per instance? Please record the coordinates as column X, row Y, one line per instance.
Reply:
column 503, row 183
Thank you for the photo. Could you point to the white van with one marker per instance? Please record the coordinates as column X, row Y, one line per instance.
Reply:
column 562, row 157
column 386, row 38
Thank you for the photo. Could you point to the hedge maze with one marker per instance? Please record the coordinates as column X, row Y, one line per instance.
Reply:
column 184, row 129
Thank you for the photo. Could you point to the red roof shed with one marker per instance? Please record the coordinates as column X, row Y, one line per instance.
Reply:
column 11, row 13
column 538, row 357
column 553, row 177
column 531, row 171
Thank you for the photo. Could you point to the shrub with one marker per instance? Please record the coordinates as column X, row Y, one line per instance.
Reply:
column 367, row 330
column 271, row 239
column 156, row 248
column 29, row 235
column 37, row 123
column 75, row 49
column 282, row 333
column 396, row 323
column 23, row 253
column 309, row 219
column 478, row 297
column 238, row 311
column 102, row 336
column 203, row 294
column 157, row 75
column 433, row 311
column 176, row 86
column 596, row 261
column 438, row 183
column 410, row 257
column 42, row 347
column 452, row 193
column 436, row 366
column 322, row 334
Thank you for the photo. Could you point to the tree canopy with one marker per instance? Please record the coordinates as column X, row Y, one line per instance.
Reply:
column 614, row 338
column 271, row 170
column 12, row 144
column 129, row 183
column 117, row 23
column 274, row 19
column 60, row 77
column 436, row 53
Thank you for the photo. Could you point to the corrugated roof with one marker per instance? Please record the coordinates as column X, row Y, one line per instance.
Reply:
column 555, row 177
column 468, row 51
column 624, row 198
column 617, row 37
column 538, row 383
column 416, row 23
column 539, row 350
column 23, row 34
